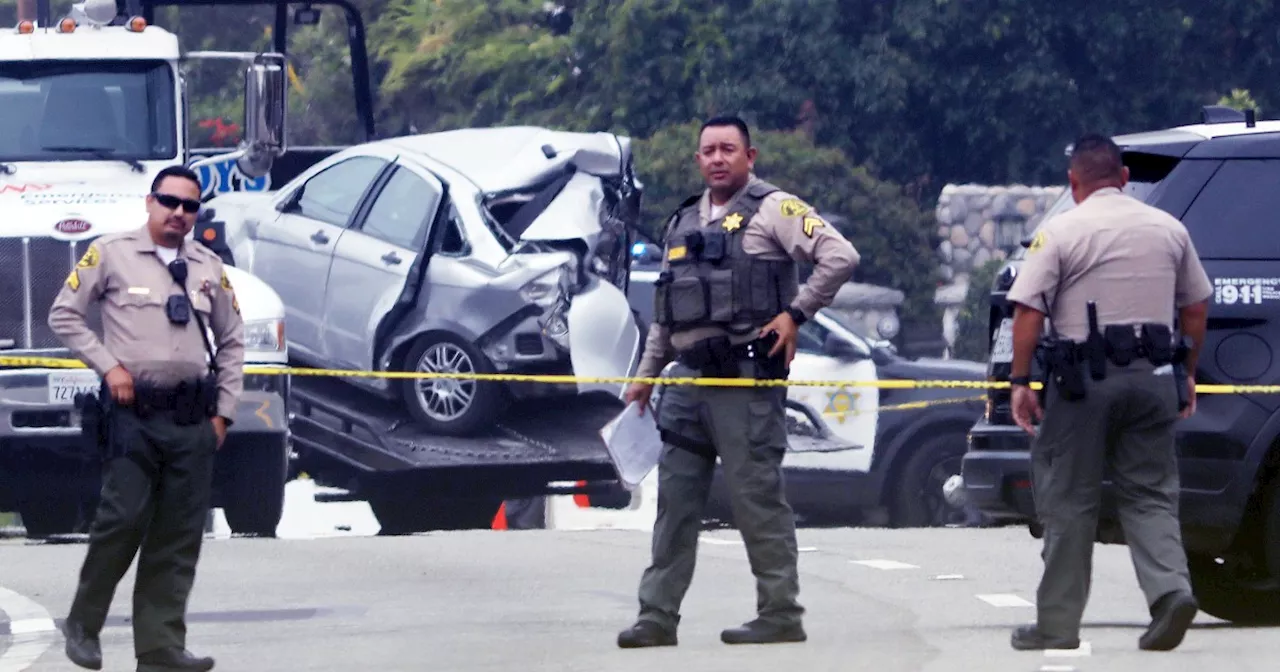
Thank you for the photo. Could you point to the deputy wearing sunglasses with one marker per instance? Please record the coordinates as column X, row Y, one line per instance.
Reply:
column 167, row 397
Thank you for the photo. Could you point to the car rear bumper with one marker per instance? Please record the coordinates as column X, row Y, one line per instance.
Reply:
column 997, row 472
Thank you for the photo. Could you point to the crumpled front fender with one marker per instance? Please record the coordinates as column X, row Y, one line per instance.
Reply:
column 604, row 339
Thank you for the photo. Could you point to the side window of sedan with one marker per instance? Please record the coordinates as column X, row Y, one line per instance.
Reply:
column 331, row 195
column 810, row 337
column 403, row 211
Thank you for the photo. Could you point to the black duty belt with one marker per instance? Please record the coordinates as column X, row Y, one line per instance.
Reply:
column 717, row 357
column 166, row 397
column 1120, row 347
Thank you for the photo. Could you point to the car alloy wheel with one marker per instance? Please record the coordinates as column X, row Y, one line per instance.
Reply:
column 445, row 399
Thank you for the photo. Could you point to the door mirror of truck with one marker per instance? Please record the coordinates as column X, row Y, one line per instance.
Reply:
column 265, row 106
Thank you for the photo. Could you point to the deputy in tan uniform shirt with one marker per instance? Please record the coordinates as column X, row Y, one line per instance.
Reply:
column 1137, row 263
column 159, row 462
column 728, row 304
column 771, row 234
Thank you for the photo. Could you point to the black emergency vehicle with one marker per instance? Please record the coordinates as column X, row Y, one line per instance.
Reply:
column 1221, row 178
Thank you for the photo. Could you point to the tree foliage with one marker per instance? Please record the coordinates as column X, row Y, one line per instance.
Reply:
column 867, row 107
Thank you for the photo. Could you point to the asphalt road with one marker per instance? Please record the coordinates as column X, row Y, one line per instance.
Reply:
column 942, row 599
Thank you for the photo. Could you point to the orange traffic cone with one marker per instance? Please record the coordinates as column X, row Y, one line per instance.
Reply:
column 582, row 500
column 500, row 520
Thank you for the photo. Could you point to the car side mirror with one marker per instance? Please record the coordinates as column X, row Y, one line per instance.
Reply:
column 290, row 203
column 833, row 346
column 265, row 105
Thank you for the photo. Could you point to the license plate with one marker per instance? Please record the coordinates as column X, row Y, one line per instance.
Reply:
column 1002, row 345
column 64, row 386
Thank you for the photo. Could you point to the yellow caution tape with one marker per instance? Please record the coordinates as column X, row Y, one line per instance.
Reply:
column 907, row 406
column 564, row 379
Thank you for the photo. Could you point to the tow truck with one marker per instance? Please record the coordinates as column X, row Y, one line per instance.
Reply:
column 93, row 103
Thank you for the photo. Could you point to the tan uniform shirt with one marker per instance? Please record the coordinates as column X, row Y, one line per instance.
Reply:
column 124, row 273
column 784, row 226
column 1135, row 261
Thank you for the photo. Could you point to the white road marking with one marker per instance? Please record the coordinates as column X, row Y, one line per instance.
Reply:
column 32, row 631
column 948, row 577
column 1085, row 649
column 884, row 564
column 1005, row 600
column 31, row 625
column 738, row 542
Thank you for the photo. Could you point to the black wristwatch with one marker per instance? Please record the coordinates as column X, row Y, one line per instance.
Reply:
column 796, row 315
column 1024, row 381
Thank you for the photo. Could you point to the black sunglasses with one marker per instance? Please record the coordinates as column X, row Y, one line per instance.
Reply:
column 188, row 205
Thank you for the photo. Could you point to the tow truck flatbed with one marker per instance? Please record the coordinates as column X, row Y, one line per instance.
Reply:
column 414, row 481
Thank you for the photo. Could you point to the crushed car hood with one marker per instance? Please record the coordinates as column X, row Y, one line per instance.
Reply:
column 510, row 158
column 567, row 168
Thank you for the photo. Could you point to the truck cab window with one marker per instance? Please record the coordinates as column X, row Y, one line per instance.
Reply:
column 88, row 110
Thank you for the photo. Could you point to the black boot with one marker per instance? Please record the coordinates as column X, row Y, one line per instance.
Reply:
column 1171, row 615
column 763, row 632
column 1029, row 638
column 164, row 660
column 646, row 633
column 82, row 648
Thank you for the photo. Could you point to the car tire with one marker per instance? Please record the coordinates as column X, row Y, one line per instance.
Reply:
column 916, row 499
column 253, row 499
column 1225, row 595
column 451, row 354
column 55, row 514
column 1248, row 595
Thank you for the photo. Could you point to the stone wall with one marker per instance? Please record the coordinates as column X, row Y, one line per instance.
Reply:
column 967, row 216
column 967, row 235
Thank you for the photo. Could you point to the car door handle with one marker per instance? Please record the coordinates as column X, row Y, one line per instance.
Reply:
column 391, row 258
column 319, row 237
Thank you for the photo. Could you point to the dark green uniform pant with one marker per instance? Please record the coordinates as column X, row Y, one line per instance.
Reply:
column 746, row 427
column 157, row 498
column 1123, row 429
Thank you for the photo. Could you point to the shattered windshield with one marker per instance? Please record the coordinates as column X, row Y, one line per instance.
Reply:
column 87, row 110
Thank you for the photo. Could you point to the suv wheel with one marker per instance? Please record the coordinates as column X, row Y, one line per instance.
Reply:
column 918, row 499
column 1245, row 588
column 448, row 406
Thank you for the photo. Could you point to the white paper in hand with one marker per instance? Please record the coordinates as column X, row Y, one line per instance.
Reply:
column 634, row 444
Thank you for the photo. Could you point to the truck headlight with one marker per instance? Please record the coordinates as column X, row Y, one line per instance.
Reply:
column 264, row 335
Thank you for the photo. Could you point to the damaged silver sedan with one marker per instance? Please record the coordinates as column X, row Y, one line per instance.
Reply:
column 495, row 250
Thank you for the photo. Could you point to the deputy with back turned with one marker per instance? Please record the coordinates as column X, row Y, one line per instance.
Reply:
column 1110, row 275
column 727, row 305
column 167, row 397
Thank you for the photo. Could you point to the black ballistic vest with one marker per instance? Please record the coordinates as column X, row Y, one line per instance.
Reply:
column 711, row 281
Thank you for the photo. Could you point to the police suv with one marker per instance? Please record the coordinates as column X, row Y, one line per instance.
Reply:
column 1220, row 178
